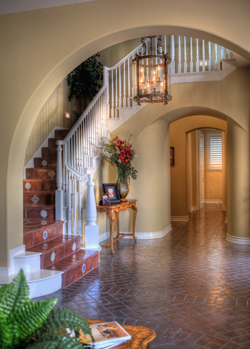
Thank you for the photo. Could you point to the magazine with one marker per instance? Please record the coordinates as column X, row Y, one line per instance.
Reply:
column 106, row 335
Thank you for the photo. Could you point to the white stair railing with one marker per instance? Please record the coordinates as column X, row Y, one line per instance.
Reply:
column 76, row 153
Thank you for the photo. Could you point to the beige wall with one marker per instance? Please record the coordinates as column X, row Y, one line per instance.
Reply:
column 178, row 140
column 51, row 115
column 39, row 48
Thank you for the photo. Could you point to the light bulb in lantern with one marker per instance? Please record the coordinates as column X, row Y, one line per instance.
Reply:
column 161, row 87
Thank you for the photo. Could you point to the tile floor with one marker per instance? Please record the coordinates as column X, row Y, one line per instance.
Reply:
column 192, row 287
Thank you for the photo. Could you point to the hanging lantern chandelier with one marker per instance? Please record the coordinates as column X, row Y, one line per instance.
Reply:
column 151, row 73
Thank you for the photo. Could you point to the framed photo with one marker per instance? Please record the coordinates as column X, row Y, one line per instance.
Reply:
column 105, row 199
column 112, row 190
column 172, row 156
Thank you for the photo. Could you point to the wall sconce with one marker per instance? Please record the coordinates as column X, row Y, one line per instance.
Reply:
column 67, row 115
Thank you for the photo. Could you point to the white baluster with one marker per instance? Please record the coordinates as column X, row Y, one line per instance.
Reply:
column 112, row 95
column 59, row 191
column 79, row 209
column 209, row 56
column 222, row 53
column 191, row 56
column 172, row 55
column 165, row 44
column 91, row 228
column 179, row 55
column 124, row 85
column 107, row 93
column 197, row 56
column 185, row 55
column 116, row 94
column 203, row 55
column 120, row 88
column 216, row 58
column 228, row 54
column 69, row 207
column 75, row 208
column 128, row 98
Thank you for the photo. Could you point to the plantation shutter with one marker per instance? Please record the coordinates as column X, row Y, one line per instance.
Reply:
column 215, row 151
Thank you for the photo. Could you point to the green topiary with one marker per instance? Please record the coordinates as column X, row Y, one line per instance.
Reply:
column 26, row 324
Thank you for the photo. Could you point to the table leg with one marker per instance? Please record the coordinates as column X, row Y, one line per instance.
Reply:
column 134, row 208
column 117, row 224
column 112, row 225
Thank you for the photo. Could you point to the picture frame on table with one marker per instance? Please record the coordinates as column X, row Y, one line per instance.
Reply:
column 112, row 190
column 105, row 199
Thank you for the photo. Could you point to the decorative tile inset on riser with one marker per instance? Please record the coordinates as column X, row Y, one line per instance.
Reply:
column 27, row 185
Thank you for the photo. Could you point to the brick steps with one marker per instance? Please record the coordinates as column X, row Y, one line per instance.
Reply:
column 42, row 233
column 33, row 185
column 41, row 197
column 44, row 162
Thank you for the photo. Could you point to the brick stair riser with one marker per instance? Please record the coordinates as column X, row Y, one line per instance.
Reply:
column 45, row 162
column 34, row 212
column 77, row 272
column 49, row 152
column 52, row 142
column 61, row 251
column 40, row 173
column 33, row 238
column 41, row 198
column 61, row 134
column 39, row 185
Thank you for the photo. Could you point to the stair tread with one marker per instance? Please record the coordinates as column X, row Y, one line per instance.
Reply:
column 39, row 205
column 39, row 180
column 39, row 192
column 32, row 225
column 32, row 276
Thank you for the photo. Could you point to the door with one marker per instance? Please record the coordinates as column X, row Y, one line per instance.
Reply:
column 200, row 170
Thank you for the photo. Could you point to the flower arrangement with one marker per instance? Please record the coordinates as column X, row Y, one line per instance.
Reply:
column 119, row 153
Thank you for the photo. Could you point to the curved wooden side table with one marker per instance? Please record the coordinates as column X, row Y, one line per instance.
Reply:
column 141, row 336
column 112, row 212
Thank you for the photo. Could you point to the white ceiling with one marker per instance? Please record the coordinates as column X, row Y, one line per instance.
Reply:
column 10, row 6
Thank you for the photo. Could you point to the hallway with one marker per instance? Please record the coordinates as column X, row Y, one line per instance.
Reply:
column 191, row 287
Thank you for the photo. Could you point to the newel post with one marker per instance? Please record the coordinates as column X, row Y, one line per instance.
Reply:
column 59, row 183
column 91, row 228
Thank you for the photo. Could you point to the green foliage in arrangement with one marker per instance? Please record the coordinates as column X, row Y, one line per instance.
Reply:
column 26, row 324
column 85, row 81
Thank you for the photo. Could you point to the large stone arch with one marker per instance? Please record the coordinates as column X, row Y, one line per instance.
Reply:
column 51, row 42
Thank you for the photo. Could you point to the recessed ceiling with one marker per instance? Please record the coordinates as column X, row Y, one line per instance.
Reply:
column 11, row 6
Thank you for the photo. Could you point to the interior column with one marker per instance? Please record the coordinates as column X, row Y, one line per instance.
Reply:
column 238, row 187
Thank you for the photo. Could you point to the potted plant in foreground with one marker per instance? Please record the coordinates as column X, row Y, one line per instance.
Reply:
column 120, row 154
column 26, row 324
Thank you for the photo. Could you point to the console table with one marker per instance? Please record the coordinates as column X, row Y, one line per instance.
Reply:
column 112, row 212
column 141, row 336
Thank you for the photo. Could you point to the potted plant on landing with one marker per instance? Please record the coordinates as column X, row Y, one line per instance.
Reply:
column 26, row 324
column 120, row 154
column 84, row 82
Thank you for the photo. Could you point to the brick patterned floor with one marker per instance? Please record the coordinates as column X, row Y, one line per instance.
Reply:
column 192, row 287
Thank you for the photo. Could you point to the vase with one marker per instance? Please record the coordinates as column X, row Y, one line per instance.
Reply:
column 123, row 188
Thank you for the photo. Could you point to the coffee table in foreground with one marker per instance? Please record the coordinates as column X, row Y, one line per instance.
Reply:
column 141, row 336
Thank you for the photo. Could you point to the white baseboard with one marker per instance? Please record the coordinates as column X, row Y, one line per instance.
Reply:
column 180, row 218
column 193, row 208
column 147, row 235
column 238, row 240
column 212, row 201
